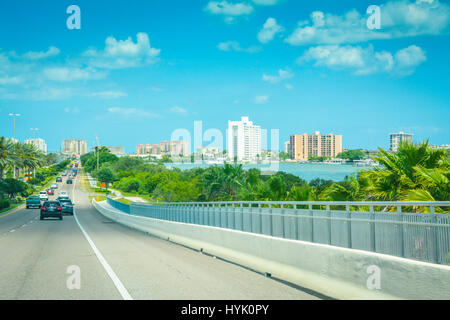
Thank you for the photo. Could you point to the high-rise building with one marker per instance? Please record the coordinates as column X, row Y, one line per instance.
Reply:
column 38, row 143
column 175, row 148
column 116, row 150
column 397, row 138
column 244, row 140
column 74, row 147
column 150, row 149
column 287, row 146
column 304, row 146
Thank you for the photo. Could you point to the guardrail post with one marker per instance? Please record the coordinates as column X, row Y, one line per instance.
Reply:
column 260, row 218
column 311, row 213
column 296, row 221
column 402, row 236
column 373, row 242
column 349, row 226
column 435, row 234
column 283, row 219
column 329, row 223
column 271, row 219
column 242, row 216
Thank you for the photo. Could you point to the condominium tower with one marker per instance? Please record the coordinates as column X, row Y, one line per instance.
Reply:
column 38, row 143
column 244, row 140
column 74, row 147
column 397, row 138
column 304, row 146
column 174, row 148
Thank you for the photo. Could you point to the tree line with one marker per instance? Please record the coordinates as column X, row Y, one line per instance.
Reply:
column 16, row 157
column 415, row 173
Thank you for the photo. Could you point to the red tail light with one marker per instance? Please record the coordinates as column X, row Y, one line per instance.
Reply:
column 59, row 208
column 70, row 207
column 43, row 208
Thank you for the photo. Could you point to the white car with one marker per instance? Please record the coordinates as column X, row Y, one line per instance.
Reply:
column 63, row 193
column 54, row 186
column 43, row 195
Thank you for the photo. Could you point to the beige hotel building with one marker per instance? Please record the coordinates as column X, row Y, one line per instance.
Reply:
column 303, row 146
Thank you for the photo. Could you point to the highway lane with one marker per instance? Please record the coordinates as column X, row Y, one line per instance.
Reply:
column 35, row 258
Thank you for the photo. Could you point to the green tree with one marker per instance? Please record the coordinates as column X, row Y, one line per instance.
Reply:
column 105, row 175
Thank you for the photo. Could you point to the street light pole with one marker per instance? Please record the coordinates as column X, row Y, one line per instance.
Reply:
column 14, row 115
column 98, row 149
column 37, row 146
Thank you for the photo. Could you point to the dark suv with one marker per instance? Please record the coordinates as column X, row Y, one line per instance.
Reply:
column 51, row 209
column 67, row 205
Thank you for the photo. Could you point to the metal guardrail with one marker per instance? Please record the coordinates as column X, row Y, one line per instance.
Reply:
column 356, row 225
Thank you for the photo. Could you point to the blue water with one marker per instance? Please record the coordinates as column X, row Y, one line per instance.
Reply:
column 306, row 171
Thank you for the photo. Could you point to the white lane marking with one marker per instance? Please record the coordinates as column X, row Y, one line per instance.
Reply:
column 12, row 230
column 117, row 283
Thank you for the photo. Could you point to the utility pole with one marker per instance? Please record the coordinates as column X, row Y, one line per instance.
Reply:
column 37, row 145
column 14, row 115
column 98, row 151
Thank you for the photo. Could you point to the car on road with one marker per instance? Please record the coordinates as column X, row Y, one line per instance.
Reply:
column 69, row 181
column 67, row 206
column 50, row 192
column 51, row 209
column 43, row 195
column 33, row 202
column 54, row 186
column 64, row 173
column 62, row 198
column 59, row 179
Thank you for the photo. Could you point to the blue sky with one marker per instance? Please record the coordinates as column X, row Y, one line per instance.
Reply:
column 138, row 70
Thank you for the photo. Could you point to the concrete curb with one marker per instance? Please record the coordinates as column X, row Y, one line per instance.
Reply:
column 332, row 271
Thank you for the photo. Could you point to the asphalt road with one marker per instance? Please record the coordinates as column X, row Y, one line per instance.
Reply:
column 37, row 259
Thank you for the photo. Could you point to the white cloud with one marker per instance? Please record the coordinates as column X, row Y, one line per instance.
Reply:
column 399, row 19
column 178, row 110
column 282, row 75
column 52, row 51
column 46, row 94
column 132, row 112
column 265, row 2
column 66, row 74
column 123, row 53
column 363, row 61
column 109, row 94
column 235, row 46
column 72, row 110
column 269, row 30
column 261, row 99
column 6, row 80
column 228, row 9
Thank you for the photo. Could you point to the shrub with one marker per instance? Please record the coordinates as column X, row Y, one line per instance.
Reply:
column 4, row 203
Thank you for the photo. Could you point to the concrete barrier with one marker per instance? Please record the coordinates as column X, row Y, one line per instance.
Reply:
column 332, row 271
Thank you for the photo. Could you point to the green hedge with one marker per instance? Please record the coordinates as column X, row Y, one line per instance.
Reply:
column 4, row 203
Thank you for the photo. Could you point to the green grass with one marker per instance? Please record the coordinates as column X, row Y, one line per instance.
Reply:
column 145, row 197
column 123, row 200
column 15, row 205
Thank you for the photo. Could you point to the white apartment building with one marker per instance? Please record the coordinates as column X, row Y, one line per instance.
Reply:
column 38, row 143
column 74, row 147
column 397, row 138
column 244, row 140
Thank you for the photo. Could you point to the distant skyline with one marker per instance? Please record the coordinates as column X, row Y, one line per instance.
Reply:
column 139, row 70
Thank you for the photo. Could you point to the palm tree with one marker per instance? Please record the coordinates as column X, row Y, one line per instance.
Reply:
column 414, row 172
column 7, row 156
